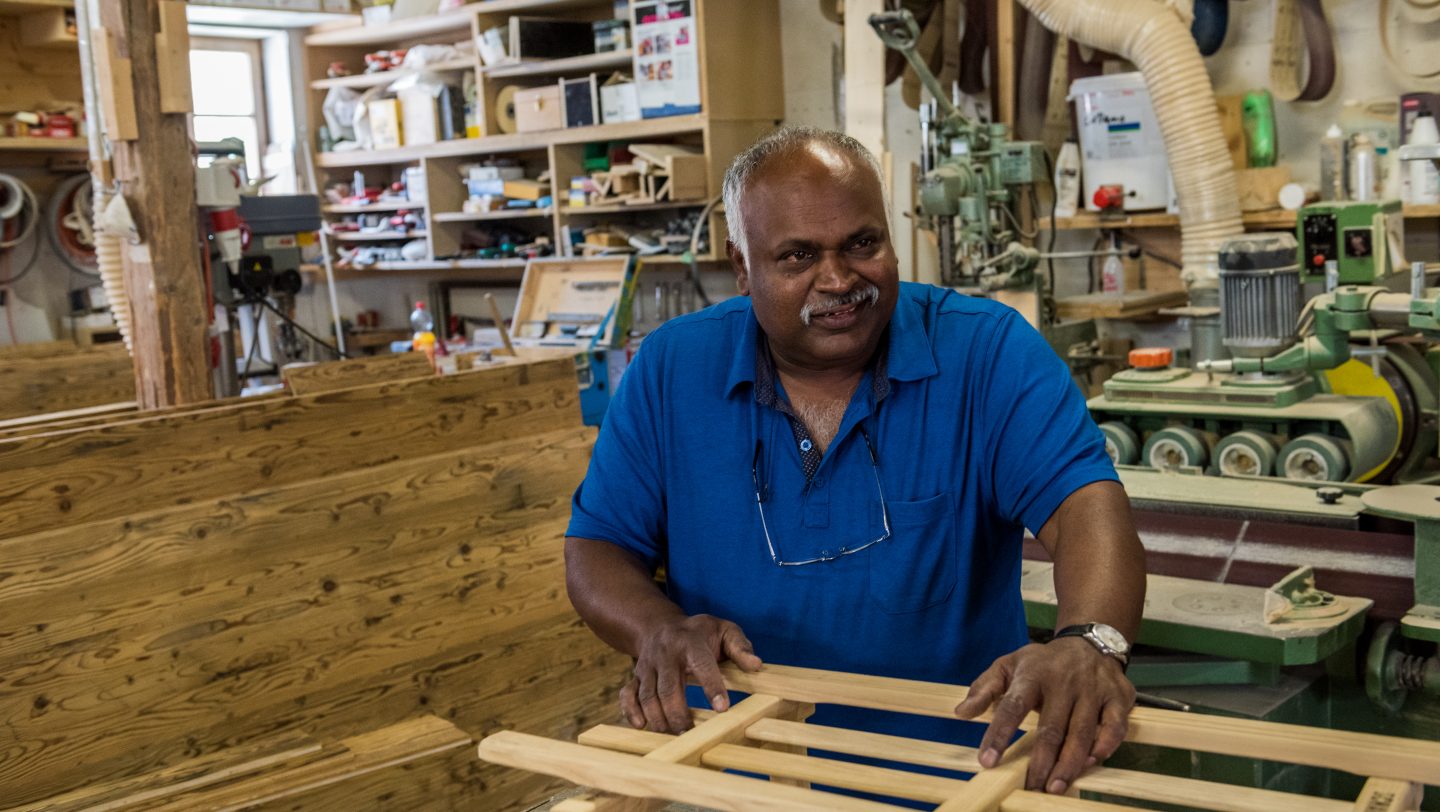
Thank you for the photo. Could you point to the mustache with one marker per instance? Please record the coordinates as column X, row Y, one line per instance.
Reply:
column 866, row 293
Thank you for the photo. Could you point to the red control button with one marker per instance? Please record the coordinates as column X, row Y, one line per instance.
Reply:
column 1317, row 260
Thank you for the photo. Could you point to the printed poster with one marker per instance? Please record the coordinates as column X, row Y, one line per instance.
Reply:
column 667, row 57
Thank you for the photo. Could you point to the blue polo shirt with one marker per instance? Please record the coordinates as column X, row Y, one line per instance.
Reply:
column 979, row 434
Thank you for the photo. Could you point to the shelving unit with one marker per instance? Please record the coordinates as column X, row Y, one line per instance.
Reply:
column 1278, row 218
column 740, row 100
column 367, row 80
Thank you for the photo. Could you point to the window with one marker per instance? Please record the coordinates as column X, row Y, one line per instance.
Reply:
column 225, row 82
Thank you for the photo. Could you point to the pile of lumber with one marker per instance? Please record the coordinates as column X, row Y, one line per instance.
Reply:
column 190, row 583
column 659, row 173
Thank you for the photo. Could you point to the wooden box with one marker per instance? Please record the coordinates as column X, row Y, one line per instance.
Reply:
column 579, row 303
column 539, row 108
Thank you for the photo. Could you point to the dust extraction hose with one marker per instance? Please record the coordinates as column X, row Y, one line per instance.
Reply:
column 1153, row 36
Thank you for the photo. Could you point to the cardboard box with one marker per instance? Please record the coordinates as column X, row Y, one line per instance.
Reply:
column 539, row 109
column 523, row 189
column 419, row 116
column 619, row 101
column 386, row 130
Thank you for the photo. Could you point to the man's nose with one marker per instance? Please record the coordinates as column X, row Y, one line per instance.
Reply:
column 834, row 273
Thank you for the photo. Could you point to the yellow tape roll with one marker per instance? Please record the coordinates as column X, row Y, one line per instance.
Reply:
column 505, row 109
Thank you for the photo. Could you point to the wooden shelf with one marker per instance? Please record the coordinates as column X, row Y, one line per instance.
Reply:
column 622, row 208
column 503, row 214
column 378, row 236
column 369, row 208
column 546, row 67
column 14, row 7
column 388, row 76
column 514, row 142
column 1277, row 218
column 42, row 144
column 396, row 30
column 460, row 268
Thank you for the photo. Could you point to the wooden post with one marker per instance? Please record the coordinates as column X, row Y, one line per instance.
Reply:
column 864, row 76
column 1005, row 60
column 156, row 172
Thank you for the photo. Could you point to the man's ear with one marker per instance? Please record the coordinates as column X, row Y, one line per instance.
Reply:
column 737, row 263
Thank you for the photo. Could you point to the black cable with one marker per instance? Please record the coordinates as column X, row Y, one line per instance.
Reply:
column 293, row 323
column 254, row 342
column 1054, row 227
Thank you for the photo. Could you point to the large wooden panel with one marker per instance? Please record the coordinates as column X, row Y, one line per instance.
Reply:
column 181, row 456
column 425, row 585
column 60, row 382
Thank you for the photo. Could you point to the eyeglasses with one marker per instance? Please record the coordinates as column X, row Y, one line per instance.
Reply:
column 825, row 555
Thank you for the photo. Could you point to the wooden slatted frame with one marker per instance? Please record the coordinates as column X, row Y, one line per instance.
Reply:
column 633, row 769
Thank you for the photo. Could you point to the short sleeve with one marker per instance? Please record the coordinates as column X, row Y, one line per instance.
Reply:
column 1044, row 445
column 621, row 499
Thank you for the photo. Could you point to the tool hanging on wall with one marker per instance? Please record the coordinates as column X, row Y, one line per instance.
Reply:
column 1297, row 20
column 1212, row 18
column 1415, row 13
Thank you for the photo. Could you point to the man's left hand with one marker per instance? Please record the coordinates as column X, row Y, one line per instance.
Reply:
column 1084, row 702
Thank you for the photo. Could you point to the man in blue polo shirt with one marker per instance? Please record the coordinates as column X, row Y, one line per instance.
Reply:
column 836, row 470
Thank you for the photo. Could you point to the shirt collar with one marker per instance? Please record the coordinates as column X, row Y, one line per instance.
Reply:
column 910, row 355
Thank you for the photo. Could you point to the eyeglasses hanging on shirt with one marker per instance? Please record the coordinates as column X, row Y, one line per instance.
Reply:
column 762, row 494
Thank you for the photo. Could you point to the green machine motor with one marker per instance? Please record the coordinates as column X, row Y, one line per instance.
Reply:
column 1357, row 236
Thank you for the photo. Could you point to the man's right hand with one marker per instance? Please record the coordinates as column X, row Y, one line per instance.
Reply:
column 677, row 652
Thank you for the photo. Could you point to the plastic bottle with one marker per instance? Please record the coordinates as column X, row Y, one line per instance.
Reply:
column 424, row 326
column 1332, row 164
column 1364, row 179
column 1424, row 179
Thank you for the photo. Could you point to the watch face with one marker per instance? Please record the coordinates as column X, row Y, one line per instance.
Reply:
column 1110, row 637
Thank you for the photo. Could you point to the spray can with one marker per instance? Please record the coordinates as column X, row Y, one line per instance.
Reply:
column 1332, row 164
column 1423, row 181
column 1364, row 177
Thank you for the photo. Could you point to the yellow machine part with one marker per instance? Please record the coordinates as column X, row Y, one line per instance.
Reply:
column 1356, row 379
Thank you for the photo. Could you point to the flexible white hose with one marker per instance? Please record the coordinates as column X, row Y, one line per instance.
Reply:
column 1154, row 37
column 108, row 245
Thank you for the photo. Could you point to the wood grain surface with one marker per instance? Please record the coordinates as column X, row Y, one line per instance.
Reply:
column 74, row 380
column 322, row 564
column 119, row 468
column 327, row 376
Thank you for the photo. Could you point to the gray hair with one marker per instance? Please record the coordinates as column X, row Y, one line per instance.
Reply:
column 784, row 141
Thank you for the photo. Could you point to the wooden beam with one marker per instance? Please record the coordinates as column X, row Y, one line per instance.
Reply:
column 163, row 275
column 864, row 76
column 1005, row 61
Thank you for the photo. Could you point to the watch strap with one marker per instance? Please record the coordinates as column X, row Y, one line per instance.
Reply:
column 1083, row 630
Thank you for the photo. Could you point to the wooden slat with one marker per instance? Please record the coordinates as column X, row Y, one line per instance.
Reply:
column 1388, row 795
column 86, row 474
column 1026, row 801
column 640, row 777
column 827, row 771
column 307, row 379
column 1357, row 753
column 987, row 788
column 1110, row 306
column 1126, row 783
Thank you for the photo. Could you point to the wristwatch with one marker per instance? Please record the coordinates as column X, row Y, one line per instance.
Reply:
column 1107, row 639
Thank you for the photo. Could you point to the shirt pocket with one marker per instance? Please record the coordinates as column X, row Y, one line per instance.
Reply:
column 915, row 568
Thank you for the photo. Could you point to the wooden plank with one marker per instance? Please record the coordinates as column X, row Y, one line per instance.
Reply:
column 987, row 788
column 79, row 380
column 1026, row 801
column 327, row 376
column 38, row 349
column 827, row 771
column 172, row 52
column 864, row 77
column 639, row 777
column 115, row 79
column 1387, row 795
column 120, row 468
column 1110, row 306
column 163, row 272
column 1356, row 753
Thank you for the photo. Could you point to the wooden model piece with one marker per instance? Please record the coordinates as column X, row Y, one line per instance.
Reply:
column 644, row 769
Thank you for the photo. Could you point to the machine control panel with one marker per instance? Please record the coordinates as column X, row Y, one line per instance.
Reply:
column 1318, row 235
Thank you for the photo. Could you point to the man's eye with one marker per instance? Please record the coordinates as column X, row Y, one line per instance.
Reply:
column 863, row 244
column 795, row 256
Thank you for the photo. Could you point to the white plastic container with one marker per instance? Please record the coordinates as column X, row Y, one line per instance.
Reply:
column 1120, row 140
